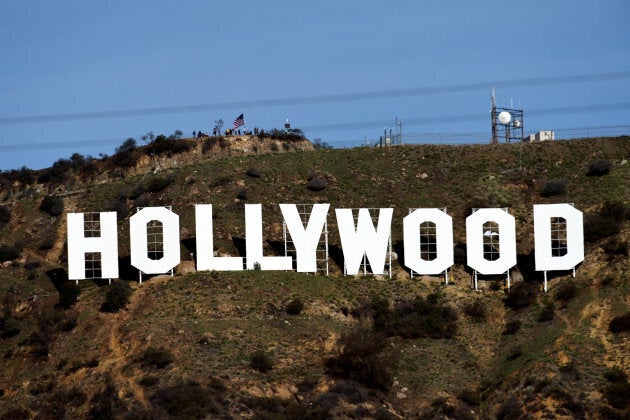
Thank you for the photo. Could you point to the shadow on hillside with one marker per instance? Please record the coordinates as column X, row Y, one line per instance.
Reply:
column 277, row 247
column 190, row 244
column 527, row 265
column 399, row 248
column 125, row 270
column 239, row 244
column 57, row 276
column 336, row 254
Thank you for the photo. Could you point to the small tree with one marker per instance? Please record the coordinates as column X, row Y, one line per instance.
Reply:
column 365, row 357
column 261, row 362
column 52, row 205
column 78, row 160
column 218, row 125
column 117, row 297
column 554, row 187
column 599, row 168
column 294, row 307
column 128, row 145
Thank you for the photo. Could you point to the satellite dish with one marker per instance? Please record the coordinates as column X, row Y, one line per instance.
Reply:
column 517, row 123
column 504, row 117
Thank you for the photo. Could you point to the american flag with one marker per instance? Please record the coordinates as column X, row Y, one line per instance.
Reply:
column 240, row 120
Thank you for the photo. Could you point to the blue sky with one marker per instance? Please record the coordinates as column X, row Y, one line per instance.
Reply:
column 75, row 57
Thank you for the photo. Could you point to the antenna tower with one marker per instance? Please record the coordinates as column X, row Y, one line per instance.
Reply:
column 507, row 123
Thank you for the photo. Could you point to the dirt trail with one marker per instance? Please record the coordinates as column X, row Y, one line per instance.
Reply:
column 118, row 359
column 599, row 312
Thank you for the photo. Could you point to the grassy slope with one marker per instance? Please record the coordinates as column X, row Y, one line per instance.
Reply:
column 212, row 322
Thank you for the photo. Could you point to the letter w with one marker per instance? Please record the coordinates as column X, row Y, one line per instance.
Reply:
column 365, row 240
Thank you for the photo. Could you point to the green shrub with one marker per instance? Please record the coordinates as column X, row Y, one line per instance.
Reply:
column 72, row 396
column 158, row 183
column 168, row 146
column 607, row 222
column 48, row 242
column 411, row 319
column 254, row 173
column 136, row 191
column 188, row 400
column 127, row 145
column 58, row 173
column 565, row 291
column 148, row 380
column 49, row 322
column 598, row 227
column 615, row 374
column 9, row 327
column 209, row 143
column 546, row 313
column 615, row 210
column 351, row 391
column 5, row 215
column 620, row 323
column 16, row 413
column 365, row 357
column 476, row 310
column 156, row 357
column 514, row 354
column 294, row 307
column 615, row 246
column 521, row 295
column 104, row 404
column 554, row 187
column 470, row 397
column 126, row 158
column 119, row 205
column 10, row 252
column 496, row 285
column 512, row 327
column 52, row 205
column 617, row 394
column 279, row 408
column 318, row 144
column 261, row 362
column 599, row 168
column 117, row 297
column 293, row 135
column 316, row 184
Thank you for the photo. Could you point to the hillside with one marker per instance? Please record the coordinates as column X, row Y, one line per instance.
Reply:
column 238, row 344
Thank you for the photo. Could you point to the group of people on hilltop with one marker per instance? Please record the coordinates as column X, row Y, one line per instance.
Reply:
column 230, row 132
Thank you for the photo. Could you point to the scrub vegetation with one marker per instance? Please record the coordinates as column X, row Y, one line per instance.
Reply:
column 259, row 344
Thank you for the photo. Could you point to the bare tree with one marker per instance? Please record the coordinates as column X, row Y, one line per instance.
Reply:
column 218, row 124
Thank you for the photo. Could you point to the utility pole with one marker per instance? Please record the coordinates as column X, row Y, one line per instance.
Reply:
column 493, row 117
column 399, row 130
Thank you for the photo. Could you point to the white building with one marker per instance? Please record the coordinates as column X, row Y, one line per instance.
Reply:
column 541, row 136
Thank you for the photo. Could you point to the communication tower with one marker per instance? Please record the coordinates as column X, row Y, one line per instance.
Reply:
column 507, row 123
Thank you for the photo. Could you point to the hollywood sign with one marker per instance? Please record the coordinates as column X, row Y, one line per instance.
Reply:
column 360, row 240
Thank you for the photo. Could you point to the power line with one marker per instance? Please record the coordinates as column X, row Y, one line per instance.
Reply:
column 466, row 117
column 416, row 138
column 308, row 100
column 352, row 126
